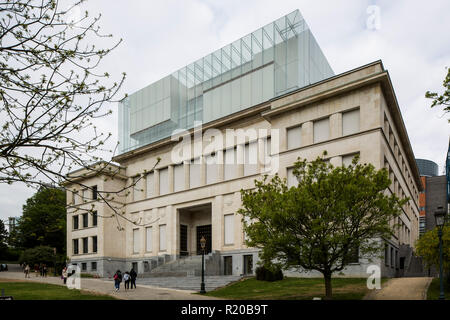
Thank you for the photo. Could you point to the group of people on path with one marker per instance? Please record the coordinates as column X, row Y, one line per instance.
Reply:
column 128, row 277
column 38, row 269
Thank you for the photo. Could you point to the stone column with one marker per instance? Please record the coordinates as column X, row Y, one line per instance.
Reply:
column 220, row 165
column 156, row 183
column 336, row 125
column 186, row 175
column 170, row 177
column 216, row 221
column 173, row 236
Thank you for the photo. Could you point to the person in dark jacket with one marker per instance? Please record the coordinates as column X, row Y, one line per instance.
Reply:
column 133, row 276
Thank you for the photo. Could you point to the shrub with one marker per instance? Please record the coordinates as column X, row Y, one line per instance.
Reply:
column 264, row 273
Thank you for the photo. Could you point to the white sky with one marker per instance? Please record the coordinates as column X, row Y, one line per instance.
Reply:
column 161, row 36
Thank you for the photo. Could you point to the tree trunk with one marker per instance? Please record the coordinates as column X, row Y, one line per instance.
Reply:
column 328, row 288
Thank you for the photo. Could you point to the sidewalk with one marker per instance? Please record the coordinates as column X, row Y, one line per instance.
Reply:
column 105, row 286
column 402, row 289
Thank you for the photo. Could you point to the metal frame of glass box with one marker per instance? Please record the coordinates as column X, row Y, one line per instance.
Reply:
column 278, row 58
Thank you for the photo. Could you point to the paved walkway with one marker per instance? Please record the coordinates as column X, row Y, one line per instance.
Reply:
column 402, row 289
column 105, row 286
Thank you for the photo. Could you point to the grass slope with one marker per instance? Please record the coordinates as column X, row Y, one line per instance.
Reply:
column 44, row 291
column 293, row 289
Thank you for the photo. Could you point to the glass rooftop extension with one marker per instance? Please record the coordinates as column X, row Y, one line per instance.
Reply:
column 276, row 59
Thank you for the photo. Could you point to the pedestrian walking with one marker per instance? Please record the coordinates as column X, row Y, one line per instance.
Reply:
column 27, row 271
column 44, row 270
column 133, row 276
column 64, row 274
column 36, row 269
column 117, row 280
column 126, row 279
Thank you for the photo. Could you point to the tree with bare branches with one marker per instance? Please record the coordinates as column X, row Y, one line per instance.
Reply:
column 52, row 91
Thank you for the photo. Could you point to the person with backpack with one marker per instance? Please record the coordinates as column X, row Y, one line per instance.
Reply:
column 133, row 276
column 117, row 279
column 126, row 279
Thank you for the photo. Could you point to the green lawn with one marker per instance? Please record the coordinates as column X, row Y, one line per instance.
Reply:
column 434, row 290
column 44, row 291
column 293, row 289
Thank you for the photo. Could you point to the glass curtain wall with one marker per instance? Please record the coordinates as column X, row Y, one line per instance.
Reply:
column 276, row 59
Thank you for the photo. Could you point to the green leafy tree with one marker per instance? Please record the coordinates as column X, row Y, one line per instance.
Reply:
column 37, row 255
column 43, row 222
column 333, row 213
column 441, row 99
column 427, row 247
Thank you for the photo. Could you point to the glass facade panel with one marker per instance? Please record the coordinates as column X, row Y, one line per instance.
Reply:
column 280, row 57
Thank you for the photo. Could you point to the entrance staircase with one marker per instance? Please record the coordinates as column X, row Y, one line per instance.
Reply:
column 185, row 274
column 189, row 283
column 186, row 266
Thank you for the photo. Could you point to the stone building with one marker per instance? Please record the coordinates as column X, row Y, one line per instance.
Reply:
column 275, row 88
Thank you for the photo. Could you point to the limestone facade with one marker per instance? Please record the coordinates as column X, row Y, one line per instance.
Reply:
column 378, row 135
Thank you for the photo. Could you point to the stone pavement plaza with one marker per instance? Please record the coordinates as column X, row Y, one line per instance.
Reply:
column 106, row 286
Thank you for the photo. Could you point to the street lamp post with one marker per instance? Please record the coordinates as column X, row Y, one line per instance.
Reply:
column 202, row 244
column 439, row 216
column 54, row 252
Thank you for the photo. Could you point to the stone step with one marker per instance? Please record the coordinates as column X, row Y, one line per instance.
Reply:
column 189, row 283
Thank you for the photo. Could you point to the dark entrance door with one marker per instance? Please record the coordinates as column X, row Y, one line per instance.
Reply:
column 204, row 231
column 183, row 240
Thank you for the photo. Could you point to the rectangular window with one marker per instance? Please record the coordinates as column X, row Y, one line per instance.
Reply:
column 85, row 245
column 85, row 220
column 94, row 244
column 162, row 238
column 291, row 178
column 94, row 192
column 84, row 266
column 150, row 185
column 148, row 236
column 94, row 218
column 350, row 122
column 178, row 178
column 136, row 241
column 251, row 159
column 228, row 266
column 321, row 130
column 230, row 163
column 76, row 197
column 163, row 181
column 294, row 137
column 267, row 162
column 75, row 222
column 211, row 169
column 386, row 255
column 248, row 264
column 195, row 173
column 85, row 195
column 138, row 187
column 347, row 160
column 353, row 256
column 94, row 266
column 391, row 258
column 229, row 228
column 75, row 246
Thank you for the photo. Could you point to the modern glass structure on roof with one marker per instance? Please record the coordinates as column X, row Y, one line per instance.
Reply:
column 276, row 59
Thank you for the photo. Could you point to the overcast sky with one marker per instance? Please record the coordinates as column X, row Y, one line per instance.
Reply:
column 161, row 36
